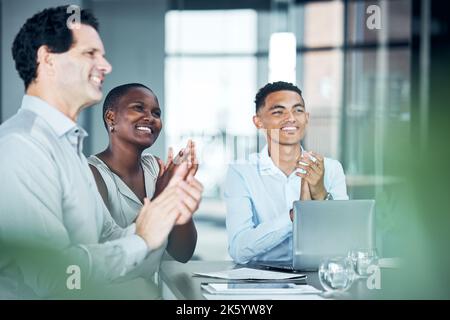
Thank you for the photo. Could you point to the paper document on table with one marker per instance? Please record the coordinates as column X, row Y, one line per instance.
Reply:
column 256, row 288
column 250, row 274
column 209, row 296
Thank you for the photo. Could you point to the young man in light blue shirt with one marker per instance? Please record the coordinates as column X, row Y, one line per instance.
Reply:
column 259, row 193
column 57, row 239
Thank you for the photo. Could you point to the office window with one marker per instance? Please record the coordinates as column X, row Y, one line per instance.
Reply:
column 210, row 86
column 395, row 21
column 376, row 98
column 355, row 82
column 319, row 29
column 323, row 25
column 211, row 32
column 377, row 105
column 210, row 83
column 322, row 77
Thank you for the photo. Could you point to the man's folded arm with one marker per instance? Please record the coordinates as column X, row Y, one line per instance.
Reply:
column 246, row 239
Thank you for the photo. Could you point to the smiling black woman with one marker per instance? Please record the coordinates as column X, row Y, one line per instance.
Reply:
column 125, row 175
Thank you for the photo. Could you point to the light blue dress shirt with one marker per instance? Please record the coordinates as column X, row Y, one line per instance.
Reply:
column 258, row 197
column 50, row 202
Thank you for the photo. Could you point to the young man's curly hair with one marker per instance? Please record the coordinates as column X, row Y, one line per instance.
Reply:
column 260, row 97
column 49, row 28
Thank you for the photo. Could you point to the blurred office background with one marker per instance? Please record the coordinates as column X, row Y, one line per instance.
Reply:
column 366, row 89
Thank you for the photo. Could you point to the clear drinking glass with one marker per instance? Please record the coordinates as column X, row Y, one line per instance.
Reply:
column 336, row 274
column 362, row 259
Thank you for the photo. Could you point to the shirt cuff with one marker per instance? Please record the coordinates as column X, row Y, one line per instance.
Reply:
column 131, row 229
column 136, row 251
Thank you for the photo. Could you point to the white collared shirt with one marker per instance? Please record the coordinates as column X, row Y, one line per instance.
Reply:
column 258, row 197
column 50, row 202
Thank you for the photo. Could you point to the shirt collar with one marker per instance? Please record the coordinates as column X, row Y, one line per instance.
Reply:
column 266, row 163
column 58, row 121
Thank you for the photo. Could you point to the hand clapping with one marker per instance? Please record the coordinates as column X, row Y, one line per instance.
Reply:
column 312, row 174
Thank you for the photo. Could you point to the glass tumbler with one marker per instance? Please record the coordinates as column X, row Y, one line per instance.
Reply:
column 336, row 274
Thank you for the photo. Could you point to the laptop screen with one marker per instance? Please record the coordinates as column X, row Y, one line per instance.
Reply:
column 324, row 229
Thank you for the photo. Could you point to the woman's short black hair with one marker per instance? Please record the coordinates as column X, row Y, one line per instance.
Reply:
column 260, row 98
column 49, row 28
column 116, row 93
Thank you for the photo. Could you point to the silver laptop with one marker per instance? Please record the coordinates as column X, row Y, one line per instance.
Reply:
column 324, row 229
column 330, row 228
